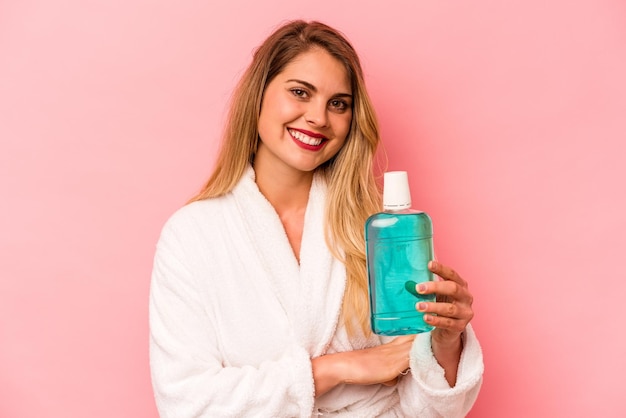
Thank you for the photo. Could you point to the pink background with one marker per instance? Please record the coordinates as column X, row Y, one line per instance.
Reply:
column 509, row 115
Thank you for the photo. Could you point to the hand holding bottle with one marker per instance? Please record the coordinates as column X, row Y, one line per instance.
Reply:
column 453, row 307
column 453, row 311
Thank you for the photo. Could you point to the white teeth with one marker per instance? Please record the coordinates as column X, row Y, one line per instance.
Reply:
column 305, row 138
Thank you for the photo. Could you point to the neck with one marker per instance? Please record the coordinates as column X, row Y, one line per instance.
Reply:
column 285, row 188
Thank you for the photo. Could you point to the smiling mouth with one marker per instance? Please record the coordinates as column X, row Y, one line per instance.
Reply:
column 306, row 139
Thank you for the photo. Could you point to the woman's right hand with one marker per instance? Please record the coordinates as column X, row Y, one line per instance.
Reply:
column 381, row 364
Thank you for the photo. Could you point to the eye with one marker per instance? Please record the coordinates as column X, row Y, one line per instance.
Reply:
column 298, row 92
column 339, row 105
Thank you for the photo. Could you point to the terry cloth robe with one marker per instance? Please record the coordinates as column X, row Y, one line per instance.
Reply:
column 235, row 321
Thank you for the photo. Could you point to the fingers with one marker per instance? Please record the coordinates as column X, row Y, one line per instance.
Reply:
column 453, row 309
column 381, row 364
column 446, row 272
column 448, row 310
column 452, row 289
column 450, row 316
column 448, row 324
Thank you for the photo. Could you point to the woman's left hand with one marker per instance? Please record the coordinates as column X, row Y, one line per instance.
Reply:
column 453, row 308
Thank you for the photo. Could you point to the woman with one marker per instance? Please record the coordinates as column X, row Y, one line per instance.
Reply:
column 258, row 303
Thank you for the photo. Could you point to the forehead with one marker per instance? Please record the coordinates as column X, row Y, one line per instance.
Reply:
column 319, row 68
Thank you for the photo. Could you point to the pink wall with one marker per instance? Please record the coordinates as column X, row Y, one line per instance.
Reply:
column 510, row 117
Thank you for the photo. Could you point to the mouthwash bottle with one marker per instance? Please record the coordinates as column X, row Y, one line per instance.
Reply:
column 399, row 245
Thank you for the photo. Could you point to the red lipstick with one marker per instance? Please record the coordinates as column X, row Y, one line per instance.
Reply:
column 301, row 141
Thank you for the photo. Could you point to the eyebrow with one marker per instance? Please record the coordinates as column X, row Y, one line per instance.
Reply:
column 314, row 89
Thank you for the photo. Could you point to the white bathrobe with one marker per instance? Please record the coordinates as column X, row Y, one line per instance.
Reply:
column 235, row 321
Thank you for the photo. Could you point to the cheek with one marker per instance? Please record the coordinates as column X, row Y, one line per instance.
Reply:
column 342, row 124
column 277, row 110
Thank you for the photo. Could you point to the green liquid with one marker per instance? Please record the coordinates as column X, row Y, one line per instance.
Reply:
column 399, row 247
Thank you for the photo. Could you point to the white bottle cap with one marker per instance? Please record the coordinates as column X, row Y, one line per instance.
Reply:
column 396, row 193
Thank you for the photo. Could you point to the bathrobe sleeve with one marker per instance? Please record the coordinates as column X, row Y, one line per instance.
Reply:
column 188, row 373
column 426, row 393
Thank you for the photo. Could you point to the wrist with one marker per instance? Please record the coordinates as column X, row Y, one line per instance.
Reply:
column 328, row 372
column 447, row 352
column 446, row 340
column 446, row 348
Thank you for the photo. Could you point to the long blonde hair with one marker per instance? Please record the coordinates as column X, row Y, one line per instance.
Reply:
column 352, row 191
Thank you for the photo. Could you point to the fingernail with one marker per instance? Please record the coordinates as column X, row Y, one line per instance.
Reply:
column 421, row 288
column 421, row 306
column 432, row 264
column 428, row 318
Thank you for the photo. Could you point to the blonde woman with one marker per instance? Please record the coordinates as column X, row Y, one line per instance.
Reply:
column 258, row 302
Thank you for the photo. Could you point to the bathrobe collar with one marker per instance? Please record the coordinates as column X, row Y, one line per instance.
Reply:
column 310, row 293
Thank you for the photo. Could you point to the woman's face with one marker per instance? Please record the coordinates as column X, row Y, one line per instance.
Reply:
column 306, row 113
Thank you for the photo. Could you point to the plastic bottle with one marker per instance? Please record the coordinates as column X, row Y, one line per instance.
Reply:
column 399, row 243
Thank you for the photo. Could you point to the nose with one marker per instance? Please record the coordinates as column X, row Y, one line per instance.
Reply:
column 317, row 115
